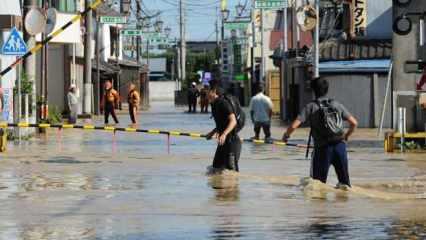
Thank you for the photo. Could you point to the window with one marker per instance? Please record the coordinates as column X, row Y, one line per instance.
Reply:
column 114, row 41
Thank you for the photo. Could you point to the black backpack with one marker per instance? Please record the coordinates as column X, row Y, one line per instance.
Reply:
column 238, row 111
column 331, row 121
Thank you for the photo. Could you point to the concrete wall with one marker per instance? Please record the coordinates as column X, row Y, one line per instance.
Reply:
column 56, row 78
column 162, row 91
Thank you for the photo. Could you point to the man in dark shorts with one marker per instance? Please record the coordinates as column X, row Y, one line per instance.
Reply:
column 229, row 143
column 193, row 94
column 327, row 150
column 110, row 100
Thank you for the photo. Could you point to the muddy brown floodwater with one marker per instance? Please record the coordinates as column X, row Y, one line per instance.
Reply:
column 79, row 184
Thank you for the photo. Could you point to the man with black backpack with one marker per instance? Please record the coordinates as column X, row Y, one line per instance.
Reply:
column 230, row 119
column 326, row 117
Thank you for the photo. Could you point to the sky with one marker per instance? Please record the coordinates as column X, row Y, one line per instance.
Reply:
column 200, row 16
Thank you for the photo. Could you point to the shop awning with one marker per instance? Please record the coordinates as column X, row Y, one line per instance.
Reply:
column 356, row 66
column 105, row 67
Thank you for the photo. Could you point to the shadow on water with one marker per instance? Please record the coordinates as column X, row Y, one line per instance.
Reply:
column 66, row 160
column 323, row 230
column 226, row 190
column 407, row 229
column 374, row 229
column 230, row 226
column 226, row 187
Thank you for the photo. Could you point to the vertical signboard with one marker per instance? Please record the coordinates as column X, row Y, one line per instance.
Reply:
column 7, row 105
column 359, row 17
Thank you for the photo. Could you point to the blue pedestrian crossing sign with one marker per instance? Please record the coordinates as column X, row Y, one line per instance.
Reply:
column 14, row 45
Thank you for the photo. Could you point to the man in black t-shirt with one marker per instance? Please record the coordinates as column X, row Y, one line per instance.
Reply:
column 229, row 144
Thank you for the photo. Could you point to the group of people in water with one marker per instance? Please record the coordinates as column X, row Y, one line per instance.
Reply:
column 323, row 115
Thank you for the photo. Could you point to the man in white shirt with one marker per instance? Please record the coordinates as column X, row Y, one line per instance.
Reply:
column 261, row 113
column 72, row 97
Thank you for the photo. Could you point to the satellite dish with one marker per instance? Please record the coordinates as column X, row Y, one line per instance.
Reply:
column 35, row 21
column 50, row 21
column 306, row 17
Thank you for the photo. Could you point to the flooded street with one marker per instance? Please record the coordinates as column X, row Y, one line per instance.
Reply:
column 82, row 184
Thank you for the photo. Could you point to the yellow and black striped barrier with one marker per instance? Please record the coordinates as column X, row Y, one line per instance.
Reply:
column 104, row 128
column 37, row 47
column 147, row 131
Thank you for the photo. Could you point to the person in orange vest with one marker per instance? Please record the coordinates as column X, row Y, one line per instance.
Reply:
column 110, row 102
column 133, row 99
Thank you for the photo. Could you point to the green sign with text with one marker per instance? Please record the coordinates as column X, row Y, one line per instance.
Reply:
column 236, row 25
column 131, row 32
column 271, row 4
column 113, row 20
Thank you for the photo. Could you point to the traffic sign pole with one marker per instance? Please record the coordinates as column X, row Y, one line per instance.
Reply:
column 18, row 131
column 15, row 46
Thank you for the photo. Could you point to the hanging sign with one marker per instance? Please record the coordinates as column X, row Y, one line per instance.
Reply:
column 359, row 17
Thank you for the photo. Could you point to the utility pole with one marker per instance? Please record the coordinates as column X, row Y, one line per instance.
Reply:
column 284, row 47
column 30, row 62
column 262, row 48
column 44, row 69
column 217, row 34
column 87, row 61
column 148, row 75
column 253, row 58
column 316, row 42
column 97, row 85
column 182, row 42
column 138, row 43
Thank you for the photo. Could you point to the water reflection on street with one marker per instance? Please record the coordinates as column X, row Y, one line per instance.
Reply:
column 77, row 184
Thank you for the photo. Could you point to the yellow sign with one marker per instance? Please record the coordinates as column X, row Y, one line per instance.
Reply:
column 359, row 17
column 223, row 4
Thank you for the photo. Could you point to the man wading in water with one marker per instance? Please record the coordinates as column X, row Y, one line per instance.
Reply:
column 325, row 117
column 229, row 119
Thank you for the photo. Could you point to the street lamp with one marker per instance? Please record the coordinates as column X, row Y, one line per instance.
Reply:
column 146, row 27
column 158, row 25
column 225, row 14
column 167, row 31
column 239, row 9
